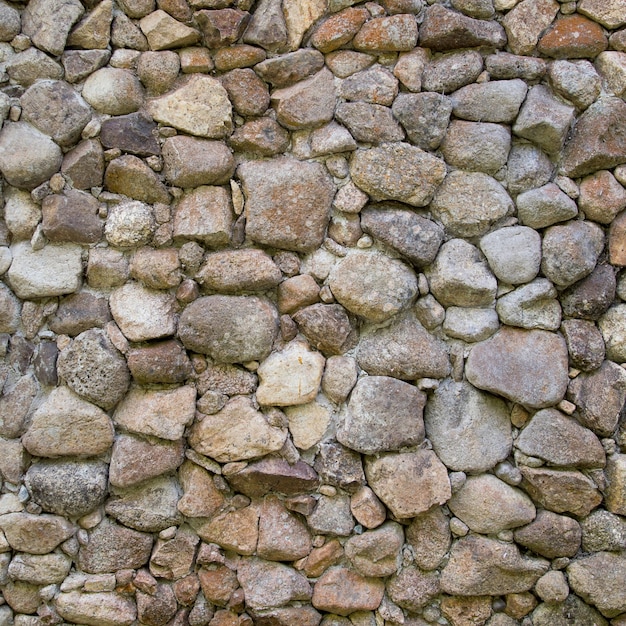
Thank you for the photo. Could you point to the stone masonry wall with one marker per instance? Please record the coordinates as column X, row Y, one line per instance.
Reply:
column 313, row 312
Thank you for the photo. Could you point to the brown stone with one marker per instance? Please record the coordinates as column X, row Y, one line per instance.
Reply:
column 617, row 240
column 339, row 29
column 342, row 591
column 173, row 558
column 551, row 535
column 387, row 34
column 377, row 552
column 238, row 55
column 226, row 379
column 601, row 197
column 222, row 27
column 470, row 611
column 79, row 312
column 320, row 559
column 297, row 292
column 573, row 37
column 156, row 269
column 290, row 68
column 161, row 362
column 412, row 589
column 72, row 217
column 282, row 535
column 130, row 176
column 263, row 136
column 201, row 497
column 35, row 534
column 132, row 133
column 328, row 327
column 247, row 92
column 218, row 584
column 429, row 536
column 84, row 164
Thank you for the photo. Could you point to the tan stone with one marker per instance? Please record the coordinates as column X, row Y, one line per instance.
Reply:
column 35, row 534
column 526, row 22
column 320, row 559
column 429, row 536
column 232, row 530
column 342, row 591
column 308, row 423
column 163, row 32
column 282, row 535
column 616, row 489
column 201, row 497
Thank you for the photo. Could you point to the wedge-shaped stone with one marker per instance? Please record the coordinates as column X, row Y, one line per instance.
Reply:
column 560, row 441
column 526, row 366
column 398, row 172
column 544, row 206
column 409, row 483
column 534, row 305
column 327, row 327
column 526, row 22
column 232, row 530
column 163, row 32
column 480, row 566
column 96, row 609
column 200, row 107
column 470, row 430
column 48, row 23
column 383, row 414
column 282, row 535
column 201, row 497
column 237, row 432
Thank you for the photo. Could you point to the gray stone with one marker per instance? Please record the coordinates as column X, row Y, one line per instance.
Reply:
column 383, row 414
column 343, row 591
column 262, row 136
column 412, row 589
column 409, row 483
column 470, row 324
column 96, row 609
column 30, row 65
column 590, row 297
column 340, row 375
column 327, row 327
column 130, row 176
column 526, row 366
column 488, row 505
column 612, row 326
column 290, row 68
column 504, row 65
column 48, row 23
column 495, row 101
column 84, row 164
column 27, row 156
column 373, row 285
column 527, row 168
column 15, row 404
column 429, row 536
column 460, row 277
column 513, row 253
column 267, row 27
column 332, row 516
column 11, row 22
column 94, row 369
column 584, row 344
column 560, row 441
column 299, row 225
column 550, row 535
column 340, row 467
column 377, row 552
column 500, row 568
column 398, row 172
column 533, row 305
column 231, row 329
column 130, row 133
column 570, row 252
column 369, row 123
column 526, row 23
column 415, row 237
column 113, row 91
column 150, row 507
column 424, row 117
column 451, row 71
column 577, row 81
column 112, row 547
column 9, row 310
column 78, row 64
column 376, row 86
column 544, row 206
column 66, row 425
column 470, row 430
column 544, row 120
column 561, row 614
column 469, row 203
column 68, row 488
column 603, row 531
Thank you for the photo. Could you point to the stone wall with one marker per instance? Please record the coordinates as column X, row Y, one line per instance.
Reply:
column 311, row 312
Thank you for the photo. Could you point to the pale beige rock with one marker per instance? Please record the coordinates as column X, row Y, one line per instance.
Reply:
column 299, row 17
column 96, row 609
column 66, row 425
column 339, row 378
column 291, row 376
column 232, row 530
column 40, row 569
column 409, row 483
column 609, row 13
column 616, row 489
column 113, row 91
column 143, row 313
column 48, row 23
column 35, row 534
column 21, row 213
column 164, row 32
column 163, row 414
column 130, row 224
column 308, row 423
column 200, row 107
column 526, row 22
column 367, row 509
column 237, row 432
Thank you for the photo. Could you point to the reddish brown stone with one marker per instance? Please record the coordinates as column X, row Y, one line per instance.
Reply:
column 84, row 164
column 573, row 37
column 396, row 33
column 320, row 559
column 339, row 29
column 162, row 362
column 328, row 327
column 263, row 136
column 79, row 312
column 218, row 584
column 242, row 55
column 343, row 591
column 469, row 611
column 222, row 27
column 248, row 93
column 71, row 217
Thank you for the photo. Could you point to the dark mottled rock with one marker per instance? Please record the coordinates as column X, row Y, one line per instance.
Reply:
column 162, row 362
column 248, row 93
column 45, row 363
column 339, row 466
column 584, row 344
column 72, row 217
column 79, row 312
column 290, row 68
column 263, row 136
column 551, row 535
column 590, row 297
column 84, row 164
column 134, row 133
column 328, row 327
column 424, row 117
column 221, row 27
column 562, row 614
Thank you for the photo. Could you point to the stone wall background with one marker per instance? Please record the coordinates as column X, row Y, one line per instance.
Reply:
column 312, row 312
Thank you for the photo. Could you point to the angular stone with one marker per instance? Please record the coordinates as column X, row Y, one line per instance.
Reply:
column 339, row 466
column 561, row 491
column 459, row 276
column 134, row 459
column 156, row 269
column 130, row 133
column 71, row 217
column 369, row 123
column 30, row 65
column 130, row 176
column 528, row 167
column 15, row 405
column 574, row 37
column 290, row 68
column 11, row 22
column 429, row 536
column 367, row 509
column 383, row 414
column 158, row 70
column 544, row 120
column 300, row 225
column 572, row 608
column 343, row 591
column 377, row 552
column 157, row 607
column 544, row 206
column 395, row 33
column 267, row 27
column 529, row 367
column 595, row 579
column 112, row 547
column 113, row 91
column 424, row 117
column 150, row 507
column 610, row 14
column 533, row 305
column 470, row 430
column 482, row 566
column 55, row 109
column 616, row 489
column 84, row 165
column 48, row 23
column 376, row 86
column 526, row 22
column 40, row 569
column 106, row 268
column 274, row 475
column 201, row 497
column 96, row 609
column 412, row 589
column 307, row 423
column 408, row 483
column 35, row 534
column 601, row 197
column 199, row 107
column 66, row 425
column 163, row 32
column 93, row 31
column 598, row 141
column 338, row 29
column 282, row 535
column 191, row 162
column 263, row 136
column 398, row 172
column 234, row 271
column 231, row 329
column 157, row 413
column 513, row 253
column 488, row 505
column 172, row 559
column 68, row 488
column 143, row 313
column 451, row 71
column 570, row 252
column 247, row 92
column 584, row 344
column 443, row 29
column 468, row 203
column 327, row 327
column 603, row 531
column 79, row 64
column 126, row 34
column 268, row 584
column 27, row 156
column 551, row 535
column 576, row 81
column 495, row 101
column 9, row 310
